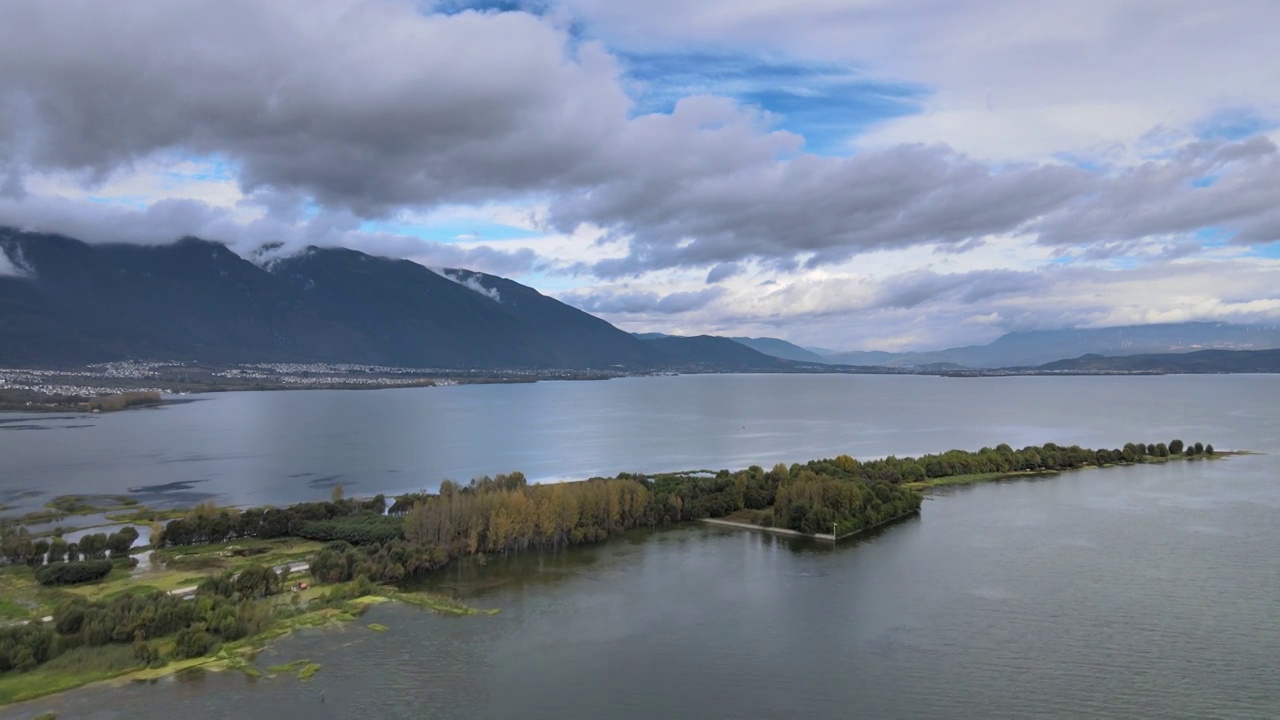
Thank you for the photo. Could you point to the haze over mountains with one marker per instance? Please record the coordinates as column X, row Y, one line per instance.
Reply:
column 1033, row 348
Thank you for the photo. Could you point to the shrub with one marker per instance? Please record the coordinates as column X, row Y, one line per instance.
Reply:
column 72, row 573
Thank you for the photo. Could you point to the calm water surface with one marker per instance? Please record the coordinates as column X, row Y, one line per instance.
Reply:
column 1141, row 592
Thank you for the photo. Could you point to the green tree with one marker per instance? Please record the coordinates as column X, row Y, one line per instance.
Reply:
column 1175, row 447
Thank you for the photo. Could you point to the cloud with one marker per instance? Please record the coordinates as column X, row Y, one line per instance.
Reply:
column 469, row 281
column 168, row 220
column 913, row 290
column 1007, row 79
column 364, row 104
column 631, row 303
column 830, row 208
column 724, row 271
column 12, row 264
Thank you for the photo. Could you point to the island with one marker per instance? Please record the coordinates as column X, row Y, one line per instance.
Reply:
column 209, row 587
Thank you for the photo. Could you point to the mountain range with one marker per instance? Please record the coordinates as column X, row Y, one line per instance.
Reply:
column 1201, row 361
column 1032, row 348
column 67, row 303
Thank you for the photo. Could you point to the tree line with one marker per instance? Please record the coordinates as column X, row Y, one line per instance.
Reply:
column 221, row 613
column 19, row 547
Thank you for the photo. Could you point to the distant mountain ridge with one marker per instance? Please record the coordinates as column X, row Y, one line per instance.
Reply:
column 1200, row 361
column 782, row 349
column 1036, row 347
column 71, row 303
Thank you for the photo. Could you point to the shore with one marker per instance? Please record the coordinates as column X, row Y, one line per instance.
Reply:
column 181, row 570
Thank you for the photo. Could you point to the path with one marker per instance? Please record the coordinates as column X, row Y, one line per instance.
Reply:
column 775, row 530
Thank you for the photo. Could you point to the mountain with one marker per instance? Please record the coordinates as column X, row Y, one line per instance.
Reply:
column 1036, row 347
column 781, row 349
column 72, row 303
column 1200, row 361
column 709, row 352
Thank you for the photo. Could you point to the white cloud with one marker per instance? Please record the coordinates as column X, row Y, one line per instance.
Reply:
column 296, row 122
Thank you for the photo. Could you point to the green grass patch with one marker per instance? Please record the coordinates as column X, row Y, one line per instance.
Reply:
column 69, row 670
column 88, row 504
column 303, row 669
column 13, row 610
column 21, row 597
column 763, row 517
column 236, row 555
column 377, row 627
column 439, row 604
column 975, row 478
column 146, row 515
column 127, row 581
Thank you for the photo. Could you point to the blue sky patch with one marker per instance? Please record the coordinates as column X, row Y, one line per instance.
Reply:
column 827, row 104
column 1214, row 235
column 1271, row 251
column 1234, row 124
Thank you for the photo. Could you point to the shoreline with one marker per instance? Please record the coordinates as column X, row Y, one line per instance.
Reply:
column 180, row 566
column 19, row 399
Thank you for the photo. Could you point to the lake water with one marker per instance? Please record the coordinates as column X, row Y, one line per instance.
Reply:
column 1139, row 592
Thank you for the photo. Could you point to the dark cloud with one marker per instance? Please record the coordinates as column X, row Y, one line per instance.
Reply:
column 831, row 208
column 723, row 271
column 168, row 220
column 914, row 289
column 363, row 107
column 365, row 104
column 625, row 303
column 1205, row 184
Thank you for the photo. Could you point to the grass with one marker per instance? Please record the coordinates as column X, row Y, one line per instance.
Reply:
column 237, row 555
column 125, row 581
column 377, row 627
column 21, row 597
column 439, row 604
column 69, row 670
column 750, row 517
column 88, row 504
column 146, row 515
column 973, row 479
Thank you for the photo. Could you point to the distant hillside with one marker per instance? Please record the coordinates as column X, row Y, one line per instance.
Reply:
column 73, row 303
column 708, row 352
column 781, row 349
column 1201, row 361
column 1036, row 347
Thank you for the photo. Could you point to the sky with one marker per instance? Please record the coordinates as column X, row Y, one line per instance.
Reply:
column 848, row 174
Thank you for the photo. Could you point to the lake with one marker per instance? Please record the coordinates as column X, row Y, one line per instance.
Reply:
column 1136, row 592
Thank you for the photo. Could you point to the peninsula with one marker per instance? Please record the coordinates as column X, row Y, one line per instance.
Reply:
column 209, row 586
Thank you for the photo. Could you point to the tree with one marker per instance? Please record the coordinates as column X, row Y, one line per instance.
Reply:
column 1199, row 448
column 57, row 550
column 1208, row 449
column 338, row 493
column 119, row 543
column 1175, row 447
